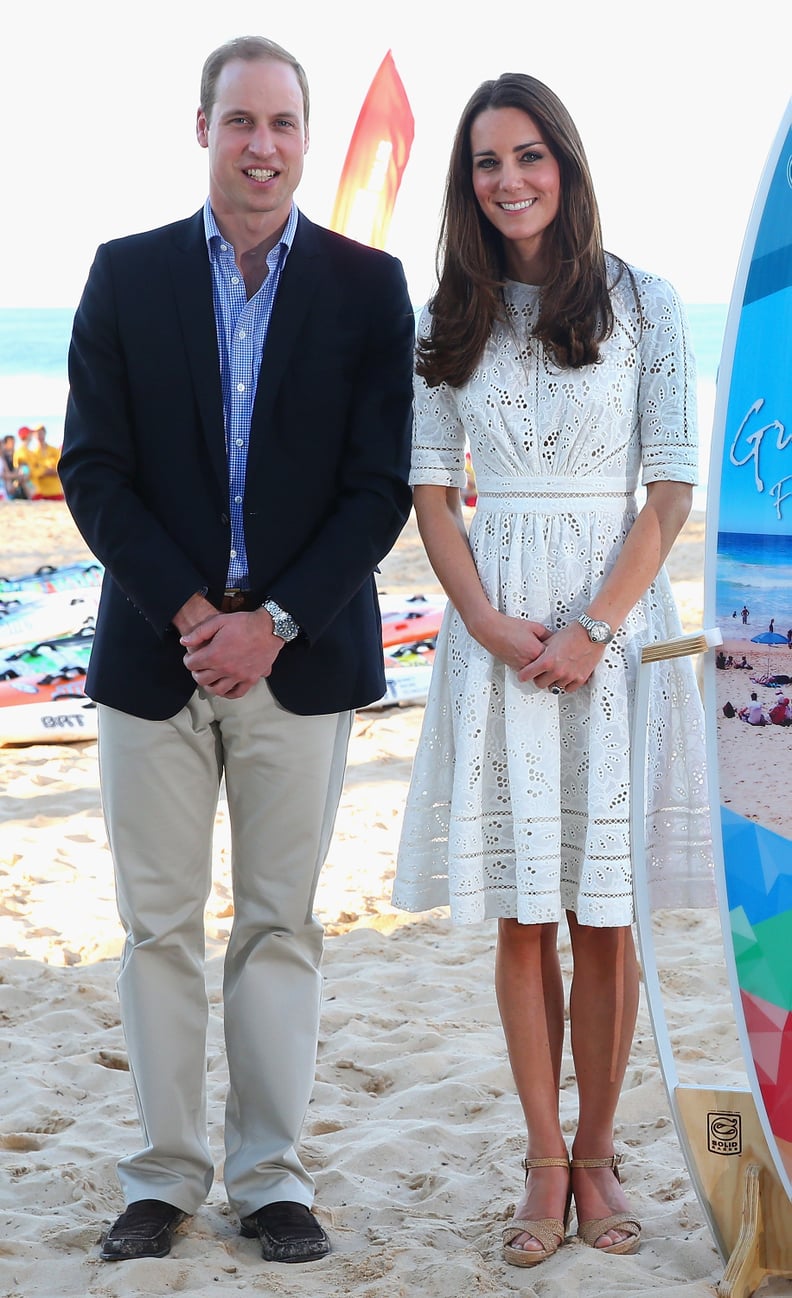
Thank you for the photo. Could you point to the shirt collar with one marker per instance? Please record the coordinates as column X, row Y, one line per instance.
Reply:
column 214, row 237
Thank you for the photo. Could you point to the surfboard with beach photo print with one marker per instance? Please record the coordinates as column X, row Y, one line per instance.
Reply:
column 748, row 595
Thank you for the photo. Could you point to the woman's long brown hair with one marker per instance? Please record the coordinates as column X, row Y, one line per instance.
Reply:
column 575, row 313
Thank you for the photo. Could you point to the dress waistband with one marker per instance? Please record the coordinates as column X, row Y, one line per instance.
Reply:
column 548, row 493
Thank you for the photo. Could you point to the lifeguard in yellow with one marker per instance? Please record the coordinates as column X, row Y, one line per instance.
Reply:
column 41, row 458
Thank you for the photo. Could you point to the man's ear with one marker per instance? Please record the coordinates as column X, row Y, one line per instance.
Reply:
column 202, row 129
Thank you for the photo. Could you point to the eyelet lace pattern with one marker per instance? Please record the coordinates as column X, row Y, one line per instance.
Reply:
column 519, row 800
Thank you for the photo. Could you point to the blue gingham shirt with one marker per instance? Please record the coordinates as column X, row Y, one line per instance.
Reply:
column 241, row 337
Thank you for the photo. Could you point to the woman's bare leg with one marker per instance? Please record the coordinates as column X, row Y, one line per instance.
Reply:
column 530, row 995
column 603, row 1007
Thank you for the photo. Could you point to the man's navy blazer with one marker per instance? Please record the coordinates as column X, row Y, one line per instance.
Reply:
column 144, row 464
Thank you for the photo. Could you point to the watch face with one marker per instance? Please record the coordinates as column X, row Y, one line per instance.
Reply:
column 600, row 632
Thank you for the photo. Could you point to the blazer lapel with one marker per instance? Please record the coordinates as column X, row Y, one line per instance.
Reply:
column 298, row 285
column 192, row 284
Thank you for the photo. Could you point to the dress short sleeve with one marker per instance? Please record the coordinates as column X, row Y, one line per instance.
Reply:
column 438, row 447
column 667, row 386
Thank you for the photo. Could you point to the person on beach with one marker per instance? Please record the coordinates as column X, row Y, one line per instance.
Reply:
column 567, row 370
column 753, row 712
column 42, row 458
column 15, row 479
column 745, row 615
column 265, row 364
column 779, row 712
column 22, row 458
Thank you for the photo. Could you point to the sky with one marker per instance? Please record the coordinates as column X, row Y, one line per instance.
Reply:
column 677, row 103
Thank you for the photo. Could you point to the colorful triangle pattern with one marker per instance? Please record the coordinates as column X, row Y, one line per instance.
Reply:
column 758, row 876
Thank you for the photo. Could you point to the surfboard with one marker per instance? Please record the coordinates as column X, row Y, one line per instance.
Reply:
column 47, row 655
column 48, row 578
column 61, row 719
column 65, row 612
column 748, row 596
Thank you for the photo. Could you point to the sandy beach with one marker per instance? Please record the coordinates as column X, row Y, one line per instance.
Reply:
column 754, row 761
column 414, row 1133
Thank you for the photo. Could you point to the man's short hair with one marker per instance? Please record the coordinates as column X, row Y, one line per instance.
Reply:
column 249, row 48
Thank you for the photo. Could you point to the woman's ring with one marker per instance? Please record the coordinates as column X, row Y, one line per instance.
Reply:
column 556, row 689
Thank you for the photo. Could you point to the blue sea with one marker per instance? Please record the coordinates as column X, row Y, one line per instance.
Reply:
column 754, row 572
column 33, row 384
column 34, row 344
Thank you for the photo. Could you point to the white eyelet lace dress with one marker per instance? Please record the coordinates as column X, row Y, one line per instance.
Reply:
column 519, row 801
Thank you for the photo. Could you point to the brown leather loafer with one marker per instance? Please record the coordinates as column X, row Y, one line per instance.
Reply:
column 288, row 1231
column 144, row 1229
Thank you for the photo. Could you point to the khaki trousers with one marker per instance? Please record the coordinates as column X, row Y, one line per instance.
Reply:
column 160, row 784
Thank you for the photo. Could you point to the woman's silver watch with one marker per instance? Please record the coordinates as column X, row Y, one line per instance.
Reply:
column 598, row 631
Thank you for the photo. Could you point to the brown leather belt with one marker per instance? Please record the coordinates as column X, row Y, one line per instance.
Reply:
column 235, row 601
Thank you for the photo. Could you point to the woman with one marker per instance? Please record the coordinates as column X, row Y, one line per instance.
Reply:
column 567, row 370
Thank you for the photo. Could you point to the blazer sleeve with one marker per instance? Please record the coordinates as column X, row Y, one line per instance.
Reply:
column 372, row 498
column 99, row 464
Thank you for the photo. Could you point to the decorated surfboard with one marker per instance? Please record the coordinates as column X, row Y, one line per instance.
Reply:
column 63, row 717
column 404, row 686
column 65, row 612
column 47, row 655
column 48, row 578
column 401, row 631
column 409, row 631
column 406, row 608
column 748, row 596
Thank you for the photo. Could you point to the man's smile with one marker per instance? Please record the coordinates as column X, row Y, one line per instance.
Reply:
column 260, row 173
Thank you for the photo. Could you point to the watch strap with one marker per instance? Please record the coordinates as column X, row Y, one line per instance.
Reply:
column 283, row 624
column 599, row 631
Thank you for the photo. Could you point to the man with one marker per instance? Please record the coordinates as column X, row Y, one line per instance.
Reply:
column 264, row 364
column 753, row 712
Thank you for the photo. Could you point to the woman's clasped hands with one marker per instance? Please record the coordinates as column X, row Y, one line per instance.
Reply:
column 565, row 661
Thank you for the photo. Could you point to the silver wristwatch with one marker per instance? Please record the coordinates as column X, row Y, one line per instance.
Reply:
column 598, row 632
column 283, row 624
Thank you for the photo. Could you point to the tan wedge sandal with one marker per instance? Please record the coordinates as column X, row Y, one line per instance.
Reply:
column 550, row 1232
column 590, row 1231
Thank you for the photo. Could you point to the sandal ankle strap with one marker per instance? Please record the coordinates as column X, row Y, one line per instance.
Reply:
column 613, row 1162
column 529, row 1163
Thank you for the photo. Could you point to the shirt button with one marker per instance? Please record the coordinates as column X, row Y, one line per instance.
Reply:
column 233, row 554
column 224, row 247
column 234, row 279
column 240, row 387
column 242, row 333
column 240, row 441
column 237, row 500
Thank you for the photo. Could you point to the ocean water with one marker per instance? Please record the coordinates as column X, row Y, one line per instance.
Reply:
column 34, row 346
column 33, row 382
column 754, row 572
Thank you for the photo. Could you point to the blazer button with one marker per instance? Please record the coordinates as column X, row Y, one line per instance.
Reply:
column 225, row 520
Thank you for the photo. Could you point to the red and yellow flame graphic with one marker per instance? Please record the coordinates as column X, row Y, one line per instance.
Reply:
column 377, row 155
